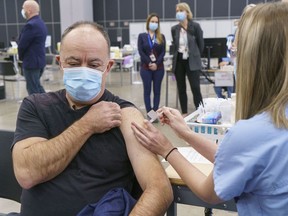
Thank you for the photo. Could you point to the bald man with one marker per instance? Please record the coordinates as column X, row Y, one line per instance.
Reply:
column 31, row 47
column 74, row 145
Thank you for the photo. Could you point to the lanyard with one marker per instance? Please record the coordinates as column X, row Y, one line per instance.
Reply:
column 151, row 43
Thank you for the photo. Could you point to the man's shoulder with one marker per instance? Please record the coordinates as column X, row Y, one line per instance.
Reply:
column 108, row 96
column 36, row 20
column 48, row 98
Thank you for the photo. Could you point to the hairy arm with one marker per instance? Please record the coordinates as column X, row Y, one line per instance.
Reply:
column 36, row 160
column 157, row 193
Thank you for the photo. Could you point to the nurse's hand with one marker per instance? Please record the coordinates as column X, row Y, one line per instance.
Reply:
column 175, row 120
column 151, row 138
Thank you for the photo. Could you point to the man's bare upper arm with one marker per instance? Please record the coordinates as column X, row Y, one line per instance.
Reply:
column 142, row 160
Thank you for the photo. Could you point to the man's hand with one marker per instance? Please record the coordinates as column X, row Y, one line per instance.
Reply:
column 103, row 116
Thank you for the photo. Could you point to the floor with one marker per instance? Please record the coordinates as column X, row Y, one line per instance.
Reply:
column 131, row 89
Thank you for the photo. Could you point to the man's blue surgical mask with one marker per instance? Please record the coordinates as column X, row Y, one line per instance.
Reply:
column 153, row 26
column 181, row 16
column 82, row 83
column 23, row 14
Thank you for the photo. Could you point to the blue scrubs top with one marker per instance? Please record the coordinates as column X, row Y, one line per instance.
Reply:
column 251, row 165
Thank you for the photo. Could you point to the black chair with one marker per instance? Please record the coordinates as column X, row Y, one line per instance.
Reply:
column 9, row 74
column 9, row 187
column 7, row 69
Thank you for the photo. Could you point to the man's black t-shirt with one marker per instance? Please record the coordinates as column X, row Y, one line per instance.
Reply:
column 100, row 165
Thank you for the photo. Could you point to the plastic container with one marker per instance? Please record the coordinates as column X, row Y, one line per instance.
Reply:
column 213, row 132
column 225, row 109
column 211, row 117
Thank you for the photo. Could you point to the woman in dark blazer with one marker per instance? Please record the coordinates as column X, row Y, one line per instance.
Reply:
column 188, row 45
column 151, row 48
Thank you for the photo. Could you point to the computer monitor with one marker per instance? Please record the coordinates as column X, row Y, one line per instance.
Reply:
column 115, row 43
column 214, row 48
column 2, row 45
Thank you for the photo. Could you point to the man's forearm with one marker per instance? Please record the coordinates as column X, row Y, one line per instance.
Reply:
column 157, row 193
column 39, row 161
column 154, row 202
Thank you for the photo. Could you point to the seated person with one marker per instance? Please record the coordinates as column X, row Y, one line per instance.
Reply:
column 220, row 89
column 229, row 60
column 74, row 145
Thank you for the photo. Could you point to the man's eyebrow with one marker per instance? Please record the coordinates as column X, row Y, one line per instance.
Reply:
column 95, row 60
column 72, row 58
column 79, row 59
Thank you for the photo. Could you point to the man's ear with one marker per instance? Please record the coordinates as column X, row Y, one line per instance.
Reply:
column 57, row 57
column 110, row 65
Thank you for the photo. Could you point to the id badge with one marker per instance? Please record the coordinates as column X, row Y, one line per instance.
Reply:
column 152, row 57
column 185, row 55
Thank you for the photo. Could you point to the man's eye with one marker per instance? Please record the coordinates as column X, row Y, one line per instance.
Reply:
column 95, row 66
column 73, row 64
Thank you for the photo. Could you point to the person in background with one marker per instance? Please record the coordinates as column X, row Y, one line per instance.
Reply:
column 31, row 47
column 151, row 48
column 228, row 60
column 250, row 164
column 73, row 146
column 231, row 54
column 188, row 45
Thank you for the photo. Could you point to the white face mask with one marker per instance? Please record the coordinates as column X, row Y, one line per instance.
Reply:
column 82, row 84
column 181, row 16
column 23, row 14
column 153, row 26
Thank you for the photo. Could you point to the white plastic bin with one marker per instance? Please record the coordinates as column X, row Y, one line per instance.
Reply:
column 214, row 132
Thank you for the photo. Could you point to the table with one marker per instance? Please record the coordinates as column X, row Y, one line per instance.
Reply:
column 125, row 62
column 183, row 195
column 221, row 77
column 13, row 55
column 120, row 61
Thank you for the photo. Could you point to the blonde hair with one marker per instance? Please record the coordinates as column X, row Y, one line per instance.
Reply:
column 157, row 32
column 247, row 8
column 262, row 70
column 184, row 6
